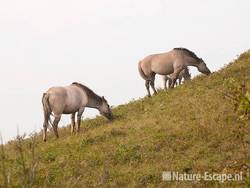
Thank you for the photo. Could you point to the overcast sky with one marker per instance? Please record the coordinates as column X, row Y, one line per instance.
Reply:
column 99, row 43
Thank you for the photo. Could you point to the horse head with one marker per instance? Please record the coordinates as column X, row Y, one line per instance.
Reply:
column 105, row 109
column 202, row 67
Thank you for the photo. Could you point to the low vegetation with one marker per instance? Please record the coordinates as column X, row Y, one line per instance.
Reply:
column 202, row 125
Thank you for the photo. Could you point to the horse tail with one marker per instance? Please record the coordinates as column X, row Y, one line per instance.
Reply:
column 141, row 71
column 46, row 108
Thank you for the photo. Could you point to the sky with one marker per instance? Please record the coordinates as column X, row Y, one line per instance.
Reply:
column 99, row 43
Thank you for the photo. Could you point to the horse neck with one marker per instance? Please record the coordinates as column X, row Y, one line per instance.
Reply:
column 192, row 62
column 94, row 101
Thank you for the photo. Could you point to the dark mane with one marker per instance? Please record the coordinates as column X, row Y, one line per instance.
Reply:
column 187, row 71
column 88, row 91
column 188, row 52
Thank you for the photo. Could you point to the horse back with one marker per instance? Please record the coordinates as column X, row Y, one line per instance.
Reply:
column 163, row 63
column 66, row 99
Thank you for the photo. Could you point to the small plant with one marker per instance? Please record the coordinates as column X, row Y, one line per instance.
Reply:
column 3, row 166
column 21, row 159
column 27, row 170
column 127, row 154
column 239, row 95
column 34, row 161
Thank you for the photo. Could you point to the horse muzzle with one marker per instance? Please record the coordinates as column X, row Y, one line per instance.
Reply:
column 208, row 73
column 110, row 117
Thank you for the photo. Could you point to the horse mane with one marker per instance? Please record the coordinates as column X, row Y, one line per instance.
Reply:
column 88, row 91
column 187, row 71
column 188, row 52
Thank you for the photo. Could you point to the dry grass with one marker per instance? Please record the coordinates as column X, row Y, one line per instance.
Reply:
column 192, row 128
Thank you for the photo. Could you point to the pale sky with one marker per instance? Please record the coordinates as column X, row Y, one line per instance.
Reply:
column 99, row 43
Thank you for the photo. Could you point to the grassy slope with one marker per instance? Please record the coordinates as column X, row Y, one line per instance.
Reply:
column 190, row 128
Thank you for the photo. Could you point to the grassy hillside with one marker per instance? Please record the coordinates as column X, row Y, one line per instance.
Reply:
column 203, row 125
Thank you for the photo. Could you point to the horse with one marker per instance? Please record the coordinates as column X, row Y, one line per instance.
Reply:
column 71, row 99
column 172, row 62
column 184, row 74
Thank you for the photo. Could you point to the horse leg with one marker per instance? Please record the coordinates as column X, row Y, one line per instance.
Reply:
column 173, row 80
column 79, row 116
column 73, row 123
column 169, row 82
column 147, row 87
column 165, row 82
column 55, row 125
column 152, row 84
column 45, row 126
column 174, row 77
column 180, row 79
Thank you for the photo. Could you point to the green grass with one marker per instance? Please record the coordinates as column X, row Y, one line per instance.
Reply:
column 199, row 126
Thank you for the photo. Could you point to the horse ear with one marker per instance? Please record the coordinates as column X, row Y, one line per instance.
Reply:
column 103, row 98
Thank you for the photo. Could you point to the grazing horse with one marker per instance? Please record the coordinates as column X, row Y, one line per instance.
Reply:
column 71, row 99
column 172, row 62
column 184, row 74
